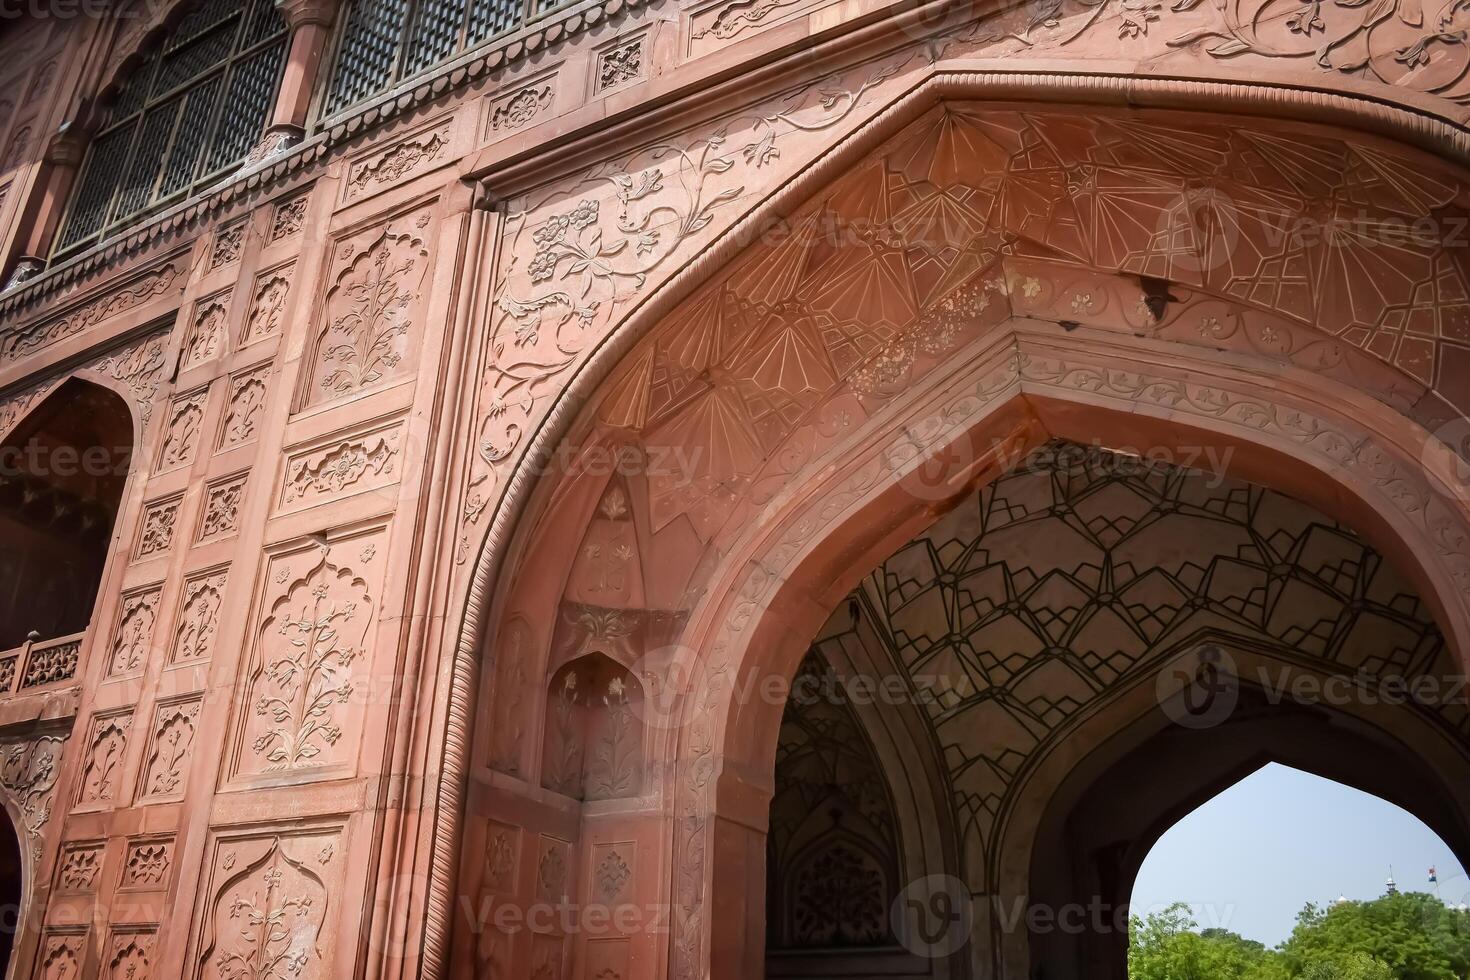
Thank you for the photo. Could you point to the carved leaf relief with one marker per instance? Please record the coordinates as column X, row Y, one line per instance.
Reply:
column 310, row 650
column 172, row 741
column 271, row 903
column 134, row 635
column 199, row 618
column 372, row 311
column 106, row 750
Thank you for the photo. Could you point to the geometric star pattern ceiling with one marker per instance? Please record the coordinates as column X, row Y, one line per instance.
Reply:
column 1031, row 599
column 1298, row 247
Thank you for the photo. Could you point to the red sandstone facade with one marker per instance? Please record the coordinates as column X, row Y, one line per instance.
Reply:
column 497, row 430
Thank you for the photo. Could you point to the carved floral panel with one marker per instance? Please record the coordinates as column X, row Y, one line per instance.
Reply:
column 288, row 217
column 132, row 640
column 372, row 317
column 407, row 158
column 271, row 902
column 220, row 515
column 267, row 305
column 208, row 329
column 105, row 756
column 80, row 865
column 61, row 956
column 244, row 406
column 341, row 467
column 182, row 427
column 130, row 954
column 311, row 659
column 156, row 532
column 229, row 243
column 170, row 747
column 148, row 863
column 198, row 619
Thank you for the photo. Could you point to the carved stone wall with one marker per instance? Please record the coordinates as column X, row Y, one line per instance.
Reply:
column 453, row 413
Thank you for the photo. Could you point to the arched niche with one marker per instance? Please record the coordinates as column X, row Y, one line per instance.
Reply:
column 592, row 744
column 63, row 469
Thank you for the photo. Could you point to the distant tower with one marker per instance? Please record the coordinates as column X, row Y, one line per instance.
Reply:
column 1391, row 887
column 1341, row 900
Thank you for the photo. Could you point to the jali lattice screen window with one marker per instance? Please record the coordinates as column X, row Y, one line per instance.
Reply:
column 188, row 114
column 385, row 41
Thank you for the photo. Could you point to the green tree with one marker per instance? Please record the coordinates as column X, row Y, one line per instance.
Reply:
column 1414, row 935
column 1166, row 946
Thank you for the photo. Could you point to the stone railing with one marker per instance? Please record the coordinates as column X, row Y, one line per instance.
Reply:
column 38, row 663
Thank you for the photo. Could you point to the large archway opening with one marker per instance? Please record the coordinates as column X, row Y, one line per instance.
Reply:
column 1261, row 867
column 1094, row 645
column 62, row 473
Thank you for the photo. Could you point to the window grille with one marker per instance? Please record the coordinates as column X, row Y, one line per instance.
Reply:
column 383, row 42
column 187, row 115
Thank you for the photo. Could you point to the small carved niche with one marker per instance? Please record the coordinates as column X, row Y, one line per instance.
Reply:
column 592, row 748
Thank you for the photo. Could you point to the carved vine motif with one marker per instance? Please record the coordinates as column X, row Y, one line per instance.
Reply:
column 21, row 341
column 269, row 917
column 28, row 772
column 105, row 753
column 396, row 162
column 312, row 639
column 242, row 412
column 16, row 407
column 199, row 617
column 370, row 313
column 1418, row 46
column 134, row 632
column 173, row 739
column 573, row 270
column 140, row 367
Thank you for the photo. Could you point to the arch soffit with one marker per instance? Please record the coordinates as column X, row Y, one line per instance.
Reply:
column 1049, row 286
column 873, row 112
column 960, row 301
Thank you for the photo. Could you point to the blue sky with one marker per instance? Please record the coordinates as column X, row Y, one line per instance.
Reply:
column 1252, row 856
